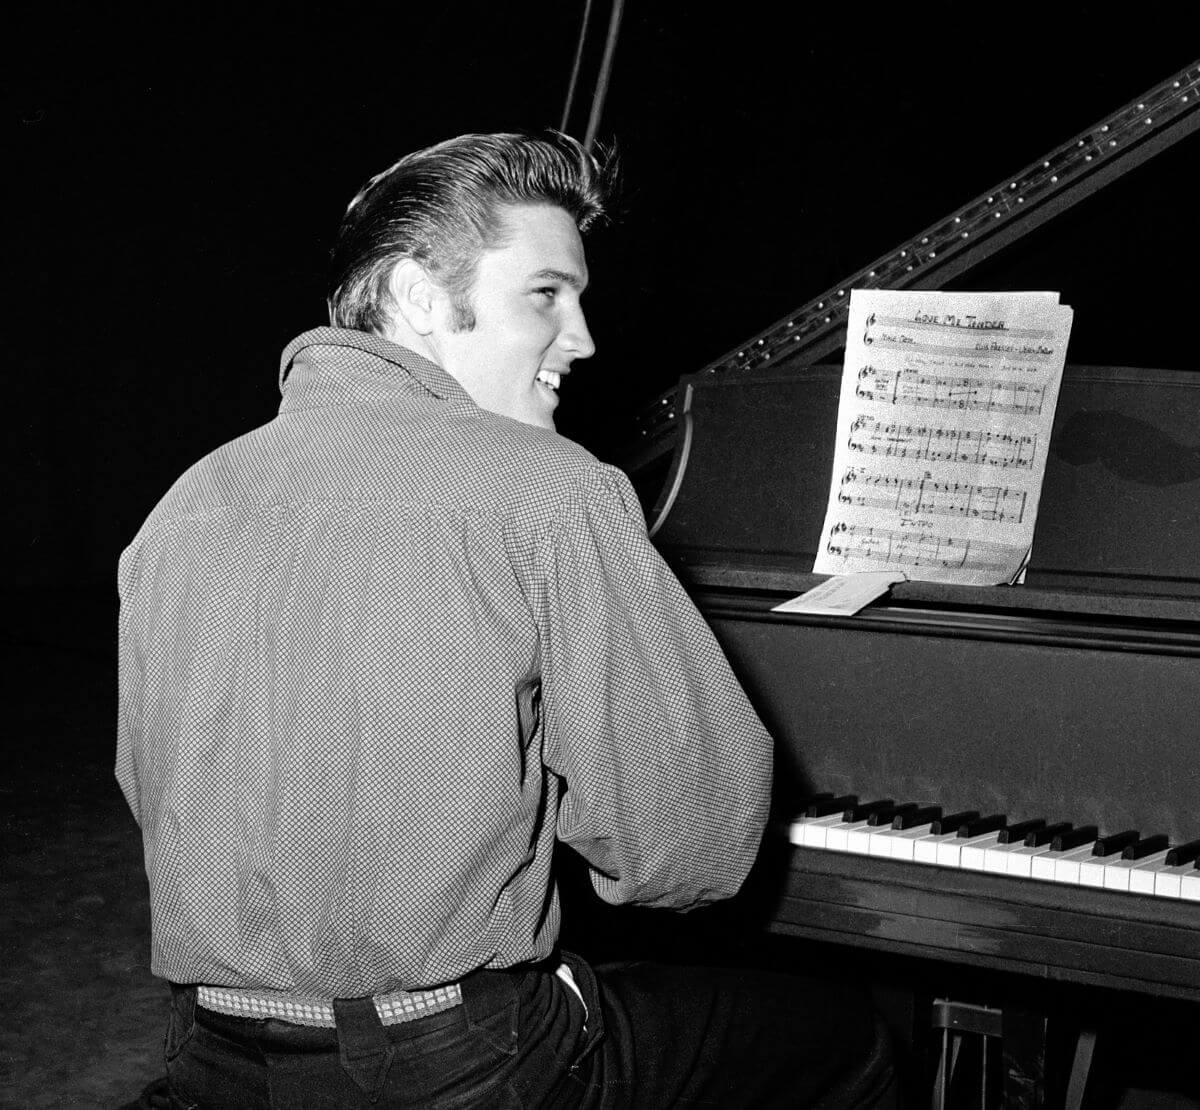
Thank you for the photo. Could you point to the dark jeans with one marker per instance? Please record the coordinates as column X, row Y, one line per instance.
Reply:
column 656, row 1036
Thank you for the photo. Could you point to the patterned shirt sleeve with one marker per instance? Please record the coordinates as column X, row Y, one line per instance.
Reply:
column 664, row 764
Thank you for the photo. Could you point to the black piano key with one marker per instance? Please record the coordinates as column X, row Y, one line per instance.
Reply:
column 922, row 815
column 1046, row 834
column 1184, row 853
column 1076, row 838
column 977, row 826
column 886, row 815
column 822, row 807
column 860, row 811
column 951, row 821
column 1010, row 834
column 1115, row 843
column 1147, row 846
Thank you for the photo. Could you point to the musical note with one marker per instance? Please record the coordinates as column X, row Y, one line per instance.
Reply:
column 925, row 496
column 898, row 547
column 937, row 391
column 932, row 443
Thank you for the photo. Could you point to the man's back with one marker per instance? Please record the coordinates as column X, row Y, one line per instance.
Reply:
column 339, row 633
column 380, row 656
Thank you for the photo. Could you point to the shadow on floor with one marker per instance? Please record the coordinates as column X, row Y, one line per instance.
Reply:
column 83, row 1018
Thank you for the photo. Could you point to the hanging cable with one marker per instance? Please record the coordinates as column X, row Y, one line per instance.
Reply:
column 570, row 103
column 610, row 48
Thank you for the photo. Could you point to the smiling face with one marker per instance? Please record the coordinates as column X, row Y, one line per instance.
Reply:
column 529, row 323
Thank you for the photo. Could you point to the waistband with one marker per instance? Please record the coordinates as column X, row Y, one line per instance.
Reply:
column 393, row 1008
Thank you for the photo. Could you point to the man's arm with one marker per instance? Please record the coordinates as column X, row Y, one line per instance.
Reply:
column 666, row 765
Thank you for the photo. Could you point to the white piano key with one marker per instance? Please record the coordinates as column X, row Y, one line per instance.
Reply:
column 881, row 841
column 1091, row 871
column 1168, row 883
column 1141, row 878
column 949, row 852
column 925, row 850
column 974, row 851
column 1047, row 867
column 903, row 840
column 836, row 837
column 811, row 830
column 995, row 858
column 1117, row 876
column 1190, row 886
column 1066, row 867
column 859, row 840
column 1020, row 861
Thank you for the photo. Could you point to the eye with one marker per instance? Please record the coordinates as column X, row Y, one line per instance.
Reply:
column 547, row 291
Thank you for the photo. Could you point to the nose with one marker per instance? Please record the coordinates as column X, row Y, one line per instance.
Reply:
column 575, row 339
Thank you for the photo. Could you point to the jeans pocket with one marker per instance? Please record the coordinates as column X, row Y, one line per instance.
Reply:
column 497, row 1030
column 589, row 989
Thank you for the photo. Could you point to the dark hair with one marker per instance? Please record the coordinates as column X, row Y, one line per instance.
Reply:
column 440, row 205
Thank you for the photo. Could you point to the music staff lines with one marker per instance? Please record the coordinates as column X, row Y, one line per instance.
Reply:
column 938, row 391
column 905, row 547
column 924, row 496
column 932, row 443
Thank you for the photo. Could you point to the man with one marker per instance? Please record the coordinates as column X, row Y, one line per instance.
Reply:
column 378, row 655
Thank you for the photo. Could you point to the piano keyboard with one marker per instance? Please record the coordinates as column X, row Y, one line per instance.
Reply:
column 1036, row 850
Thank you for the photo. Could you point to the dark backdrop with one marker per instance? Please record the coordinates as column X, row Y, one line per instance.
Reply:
column 177, row 184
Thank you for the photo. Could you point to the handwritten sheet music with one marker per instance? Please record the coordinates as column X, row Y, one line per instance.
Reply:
column 944, row 421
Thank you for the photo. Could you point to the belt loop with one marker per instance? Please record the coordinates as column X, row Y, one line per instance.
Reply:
column 363, row 1046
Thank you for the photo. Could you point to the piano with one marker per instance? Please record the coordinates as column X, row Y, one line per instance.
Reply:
column 1003, row 779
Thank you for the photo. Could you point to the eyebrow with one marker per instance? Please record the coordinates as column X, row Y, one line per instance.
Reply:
column 565, row 276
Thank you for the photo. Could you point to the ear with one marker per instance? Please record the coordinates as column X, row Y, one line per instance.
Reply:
column 414, row 294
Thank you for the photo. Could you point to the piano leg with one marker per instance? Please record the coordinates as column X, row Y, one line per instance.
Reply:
column 1077, row 1086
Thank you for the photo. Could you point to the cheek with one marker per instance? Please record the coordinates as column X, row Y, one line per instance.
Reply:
column 527, row 340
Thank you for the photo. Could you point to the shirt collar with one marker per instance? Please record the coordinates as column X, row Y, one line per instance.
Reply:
column 388, row 369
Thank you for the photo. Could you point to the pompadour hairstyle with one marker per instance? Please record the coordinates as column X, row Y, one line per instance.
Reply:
column 440, row 206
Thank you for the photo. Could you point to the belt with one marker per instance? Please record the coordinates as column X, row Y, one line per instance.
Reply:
column 393, row 1008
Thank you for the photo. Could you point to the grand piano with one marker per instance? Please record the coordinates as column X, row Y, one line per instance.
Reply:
column 1066, row 706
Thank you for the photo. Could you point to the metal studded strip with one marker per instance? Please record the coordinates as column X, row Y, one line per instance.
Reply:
column 394, row 1008
column 819, row 321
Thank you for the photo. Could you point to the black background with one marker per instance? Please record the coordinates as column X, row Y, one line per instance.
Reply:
column 175, row 189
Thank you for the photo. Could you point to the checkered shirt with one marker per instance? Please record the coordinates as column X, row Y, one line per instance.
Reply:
column 375, row 656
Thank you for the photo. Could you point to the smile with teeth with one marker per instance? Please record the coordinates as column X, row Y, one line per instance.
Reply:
column 550, row 378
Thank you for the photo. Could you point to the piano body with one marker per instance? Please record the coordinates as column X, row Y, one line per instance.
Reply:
column 1074, row 697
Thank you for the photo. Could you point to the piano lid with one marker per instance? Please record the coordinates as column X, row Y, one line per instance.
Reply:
column 955, row 244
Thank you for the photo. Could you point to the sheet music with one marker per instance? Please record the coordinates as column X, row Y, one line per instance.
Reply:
column 947, row 402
